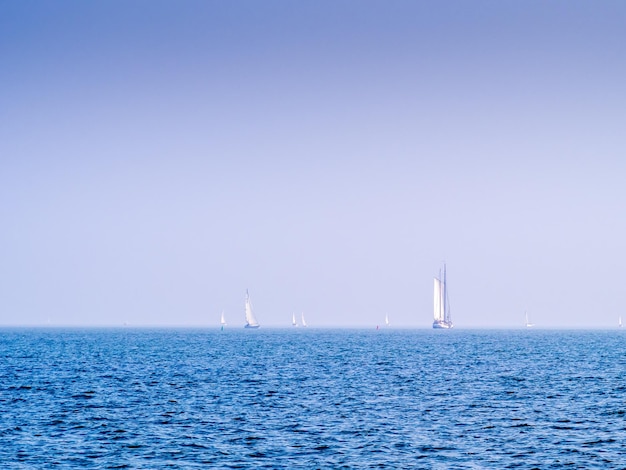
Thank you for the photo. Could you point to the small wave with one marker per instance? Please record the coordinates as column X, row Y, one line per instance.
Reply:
column 195, row 445
column 257, row 455
column 599, row 441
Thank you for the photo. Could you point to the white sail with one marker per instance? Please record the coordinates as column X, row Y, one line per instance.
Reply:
column 386, row 319
column 302, row 318
column 528, row 323
column 222, row 320
column 619, row 321
column 441, row 307
column 293, row 320
column 251, row 321
column 437, row 301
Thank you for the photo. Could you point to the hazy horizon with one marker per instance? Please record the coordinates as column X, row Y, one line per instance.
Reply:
column 157, row 159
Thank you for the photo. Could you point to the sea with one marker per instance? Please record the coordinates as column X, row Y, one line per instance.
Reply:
column 312, row 398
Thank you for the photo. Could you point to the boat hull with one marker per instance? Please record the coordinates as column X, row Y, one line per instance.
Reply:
column 441, row 325
column 251, row 326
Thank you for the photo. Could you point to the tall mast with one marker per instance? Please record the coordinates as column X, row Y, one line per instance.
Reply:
column 446, row 299
column 442, row 294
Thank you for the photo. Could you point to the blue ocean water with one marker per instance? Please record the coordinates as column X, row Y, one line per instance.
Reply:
column 311, row 398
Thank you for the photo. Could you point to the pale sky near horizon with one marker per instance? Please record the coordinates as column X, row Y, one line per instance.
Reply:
column 158, row 158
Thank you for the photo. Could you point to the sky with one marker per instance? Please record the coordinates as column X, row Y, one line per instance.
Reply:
column 158, row 158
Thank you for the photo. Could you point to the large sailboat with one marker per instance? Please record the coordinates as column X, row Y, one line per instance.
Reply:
column 251, row 321
column 442, row 316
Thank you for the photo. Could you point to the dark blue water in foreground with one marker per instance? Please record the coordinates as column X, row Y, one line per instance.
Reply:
column 312, row 399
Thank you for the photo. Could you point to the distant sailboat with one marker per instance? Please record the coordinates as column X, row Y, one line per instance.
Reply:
column 251, row 321
column 619, row 321
column 303, row 322
column 223, row 320
column 442, row 317
column 528, row 323
column 293, row 320
column 386, row 319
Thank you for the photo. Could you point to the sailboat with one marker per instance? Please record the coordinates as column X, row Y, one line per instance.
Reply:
column 619, row 321
column 386, row 319
column 223, row 320
column 442, row 318
column 303, row 322
column 251, row 321
column 293, row 320
column 528, row 323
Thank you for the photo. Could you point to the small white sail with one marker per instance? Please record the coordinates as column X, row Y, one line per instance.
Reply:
column 222, row 320
column 251, row 321
column 528, row 323
column 386, row 319
column 293, row 320
column 619, row 321
column 303, row 321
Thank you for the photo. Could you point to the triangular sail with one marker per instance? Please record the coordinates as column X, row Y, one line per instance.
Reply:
column 293, row 320
column 438, row 301
column 222, row 320
column 386, row 319
column 441, row 305
column 528, row 323
column 302, row 318
column 251, row 321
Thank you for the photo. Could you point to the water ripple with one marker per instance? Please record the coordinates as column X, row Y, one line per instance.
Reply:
column 312, row 399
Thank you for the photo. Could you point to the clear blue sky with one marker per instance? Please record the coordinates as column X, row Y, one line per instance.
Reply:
column 157, row 158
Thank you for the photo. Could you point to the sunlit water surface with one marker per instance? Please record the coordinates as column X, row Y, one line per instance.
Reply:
column 310, row 398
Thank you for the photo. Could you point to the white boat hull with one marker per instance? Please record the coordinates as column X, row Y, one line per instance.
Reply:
column 440, row 325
